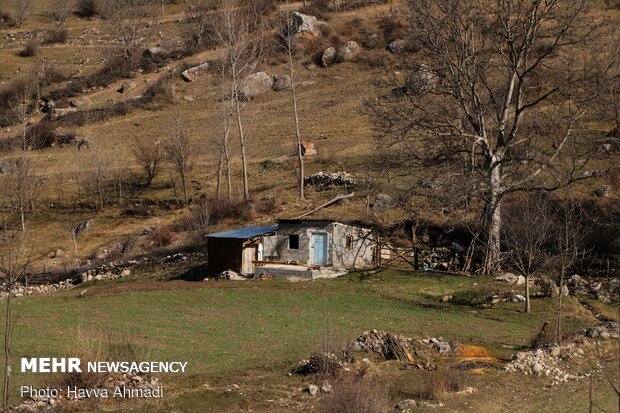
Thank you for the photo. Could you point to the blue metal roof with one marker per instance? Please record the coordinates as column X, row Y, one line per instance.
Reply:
column 243, row 233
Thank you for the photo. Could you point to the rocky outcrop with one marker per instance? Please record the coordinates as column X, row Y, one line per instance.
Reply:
column 347, row 51
column 254, row 85
column 195, row 72
column 397, row 46
column 281, row 82
column 328, row 57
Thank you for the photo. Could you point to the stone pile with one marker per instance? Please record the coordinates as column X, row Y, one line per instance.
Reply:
column 604, row 290
column 324, row 180
column 440, row 344
column 545, row 362
column 20, row 290
column 609, row 329
column 387, row 345
column 324, row 363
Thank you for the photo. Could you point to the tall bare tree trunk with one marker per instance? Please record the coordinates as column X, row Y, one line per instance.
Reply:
column 242, row 138
column 528, row 307
column 493, row 224
column 300, row 155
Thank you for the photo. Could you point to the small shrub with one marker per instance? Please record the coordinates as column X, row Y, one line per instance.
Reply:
column 442, row 381
column 159, row 94
column 162, row 236
column 6, row 20
column 31, row 49
column 200, row 215
column 222, row 209
column 356, row 394
column 41, row 135
column 391, row 26
column 56, row 36
column 87, row 8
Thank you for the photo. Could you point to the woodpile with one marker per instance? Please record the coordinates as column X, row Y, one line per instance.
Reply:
column 389, row 346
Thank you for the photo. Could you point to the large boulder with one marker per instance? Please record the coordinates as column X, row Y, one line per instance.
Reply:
column 195, row 72
column 6, row 166
column 328, row 57
column 280, row 83
column 347, row 51
column 254, row 85
column 421, row 80
column 304, row 23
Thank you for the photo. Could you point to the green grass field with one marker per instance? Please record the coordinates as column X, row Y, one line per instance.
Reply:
column 229, row 331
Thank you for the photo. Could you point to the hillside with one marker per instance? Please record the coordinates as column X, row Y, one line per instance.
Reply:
column 100, row 263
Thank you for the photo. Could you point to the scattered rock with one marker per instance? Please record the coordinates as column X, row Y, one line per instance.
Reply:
column 397, row 46
column 188, row 98
column 406, row 405
column 57, row 253
column 326, row 388
column 518, row 298
column 195, row 72
column 421, row 80
column 254, row 85
column 328, row 57
column 83, row 101
column 440, row 344
column 308, row 148
column 232, row 276
column 6, row 166
column 348, row 51
column 603, row 191
column 281, row 82
column 324, row 180
column 388, row 345
column 511, row 278
column 445, row 298
column 605, row 330
column 312, row 389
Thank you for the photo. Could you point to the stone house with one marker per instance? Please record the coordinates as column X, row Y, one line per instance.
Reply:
column 307, row 248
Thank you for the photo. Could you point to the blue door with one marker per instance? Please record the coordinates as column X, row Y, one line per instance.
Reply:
column 319, row 249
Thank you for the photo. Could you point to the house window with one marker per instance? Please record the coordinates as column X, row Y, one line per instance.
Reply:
column 293, row 242
column 349, row 242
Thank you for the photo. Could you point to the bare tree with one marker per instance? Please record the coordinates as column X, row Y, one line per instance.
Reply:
column 131, row 24
column 22, row 9
column 14, row 262
column 19, row 189
column 60, row 10
column 498, row 106
column 78, row 230
column 569, row 233
column 198, row 26
column 149, row 155
column 287, row 36
column 238, row 31
column 526, row 232
column 98, row 166
column 179, row 151
column 224, row 161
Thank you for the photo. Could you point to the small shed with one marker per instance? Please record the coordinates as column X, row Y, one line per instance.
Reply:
column 321, row 243
column 237, row 249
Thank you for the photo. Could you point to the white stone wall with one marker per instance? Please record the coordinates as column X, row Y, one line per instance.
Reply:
column 359, row 254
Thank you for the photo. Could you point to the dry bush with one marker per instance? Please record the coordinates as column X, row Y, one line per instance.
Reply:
column 159, row 94
column 55, row 36
column 442, row 381
column 31, row 49
column 87, row 8
column 391, row 26
column 318, row 8
column 199, row 215
column 6, row 20
column 356, row 394
column 41, row 135
column 162, row 236
column 222, row 209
